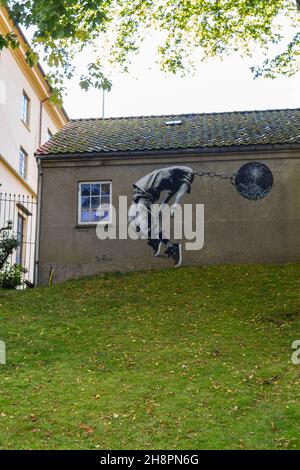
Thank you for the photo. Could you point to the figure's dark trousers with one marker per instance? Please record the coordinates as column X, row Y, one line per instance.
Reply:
column 148, row 227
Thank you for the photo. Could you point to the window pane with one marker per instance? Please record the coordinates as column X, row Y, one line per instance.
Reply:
column 85, row 202
column 20, row 237
column 95, row 189
column 95, row 216
column 105, row 189
column 22, row 163
column 105, row 199
column 104, row 216
column 95, row 202
column 85, row 216
column 25, row 108
column 85, row 189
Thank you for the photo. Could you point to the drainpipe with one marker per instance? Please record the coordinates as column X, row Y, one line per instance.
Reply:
column 41, row 120
column 38, row 223
column 39, row 200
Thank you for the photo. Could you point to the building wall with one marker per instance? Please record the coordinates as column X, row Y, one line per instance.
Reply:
column 14, row 134
column 47, row 124
column 236, row 230
column 17, row 76
column 10, row 182
column 17, row 194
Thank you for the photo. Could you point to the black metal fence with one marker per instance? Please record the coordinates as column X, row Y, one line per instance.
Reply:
column 20, row 212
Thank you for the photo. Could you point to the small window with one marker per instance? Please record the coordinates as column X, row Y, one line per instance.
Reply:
column 23, row 163
column 25, row 109
column 20, row 238
column 95, row 202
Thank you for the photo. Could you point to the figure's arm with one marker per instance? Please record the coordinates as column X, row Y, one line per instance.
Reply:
column 132, row 213
column 184, row 188
column 181, row 192
column 166, row 197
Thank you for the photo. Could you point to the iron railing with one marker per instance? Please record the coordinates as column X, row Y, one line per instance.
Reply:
column 21, row 211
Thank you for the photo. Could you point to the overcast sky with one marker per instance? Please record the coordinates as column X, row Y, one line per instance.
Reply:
column 226, row 86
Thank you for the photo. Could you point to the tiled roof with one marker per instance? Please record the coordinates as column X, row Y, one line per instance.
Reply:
column 187, row 131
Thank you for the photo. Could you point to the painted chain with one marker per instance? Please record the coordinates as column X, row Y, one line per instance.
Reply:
column 214, row 174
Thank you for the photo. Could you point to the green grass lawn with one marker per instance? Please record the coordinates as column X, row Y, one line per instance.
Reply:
column 193, row 358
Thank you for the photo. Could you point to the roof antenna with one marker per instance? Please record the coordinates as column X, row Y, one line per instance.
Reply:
column 103, row 103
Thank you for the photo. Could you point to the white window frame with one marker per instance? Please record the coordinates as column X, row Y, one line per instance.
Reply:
column 25, row 155
column 103, row 222
column 26, row 119
column 20, row 253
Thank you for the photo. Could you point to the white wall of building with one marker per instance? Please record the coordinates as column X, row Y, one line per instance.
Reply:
column 18, row 194
column 14, row 133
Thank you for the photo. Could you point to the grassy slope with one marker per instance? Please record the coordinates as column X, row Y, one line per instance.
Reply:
column 181, row 359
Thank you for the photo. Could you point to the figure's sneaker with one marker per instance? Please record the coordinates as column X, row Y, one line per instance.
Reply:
column 174, row 252
column 177, row 255
column 156, row 246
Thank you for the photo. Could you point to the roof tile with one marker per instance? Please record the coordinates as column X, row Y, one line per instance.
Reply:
column 197, row 131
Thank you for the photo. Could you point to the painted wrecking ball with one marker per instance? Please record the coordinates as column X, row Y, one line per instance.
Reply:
column 254, row 181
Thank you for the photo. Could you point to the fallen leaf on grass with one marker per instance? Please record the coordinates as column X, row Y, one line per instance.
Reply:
column 86, row 428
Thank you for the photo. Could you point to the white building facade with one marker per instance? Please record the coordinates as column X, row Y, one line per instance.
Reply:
column 27, row 120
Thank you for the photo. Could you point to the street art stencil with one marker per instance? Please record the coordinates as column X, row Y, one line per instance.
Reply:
column 253, row 181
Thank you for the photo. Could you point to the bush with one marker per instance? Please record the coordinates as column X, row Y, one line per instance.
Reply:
column 12, row 276
column 8, row 244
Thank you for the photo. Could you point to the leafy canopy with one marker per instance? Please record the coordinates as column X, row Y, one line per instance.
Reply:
column 188, row 28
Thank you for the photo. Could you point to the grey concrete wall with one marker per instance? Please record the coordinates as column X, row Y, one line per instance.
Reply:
column 236, row 230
